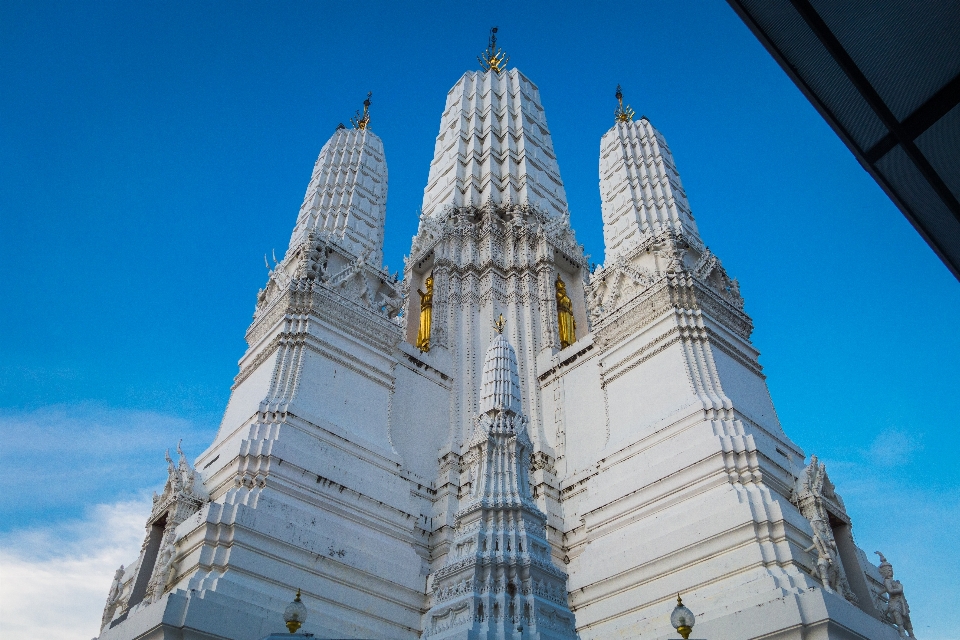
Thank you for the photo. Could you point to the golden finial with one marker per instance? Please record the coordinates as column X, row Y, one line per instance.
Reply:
column 499, row 324
column 361, row 121
column 493, row 59
column 621, row 114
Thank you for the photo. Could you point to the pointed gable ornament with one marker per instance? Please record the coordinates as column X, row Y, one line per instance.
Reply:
column 814, row 495
column 183, row 495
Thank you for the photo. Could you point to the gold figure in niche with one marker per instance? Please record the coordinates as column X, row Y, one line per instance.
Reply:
column 568, row 326
column 426, row 315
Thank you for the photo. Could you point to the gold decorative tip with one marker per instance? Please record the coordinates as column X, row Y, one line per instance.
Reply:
column 499, row 324
column 297, row 599
column 361, row 121
column 493, row 59
column 679, row 601
column 623, row 114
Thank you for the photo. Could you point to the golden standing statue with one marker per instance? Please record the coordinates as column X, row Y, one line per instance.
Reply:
column 565, row 320
column 426, row 315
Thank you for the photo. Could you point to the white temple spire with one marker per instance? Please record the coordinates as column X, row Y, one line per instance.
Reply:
column 640, row 188
column 347, row 195
column 494, row 146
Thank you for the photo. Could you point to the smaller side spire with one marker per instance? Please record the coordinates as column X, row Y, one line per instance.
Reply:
column 499, row 580
column 622, row 114
column 493, row 59
column 640, row 189
column 362, row 121
column 346, row 198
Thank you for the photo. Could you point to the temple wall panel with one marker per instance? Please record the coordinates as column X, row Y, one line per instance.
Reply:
column 340, row 393
column 646, row 393
column 419, row 418
column 747, row 390
column 584, row 415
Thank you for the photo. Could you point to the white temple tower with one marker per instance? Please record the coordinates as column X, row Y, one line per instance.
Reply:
column 676, row 473
column 502, row 444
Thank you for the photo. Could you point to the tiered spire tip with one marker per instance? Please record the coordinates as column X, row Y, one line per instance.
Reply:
column 500, row 386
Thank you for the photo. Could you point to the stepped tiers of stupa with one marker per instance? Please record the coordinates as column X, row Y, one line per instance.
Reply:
column 501, row 444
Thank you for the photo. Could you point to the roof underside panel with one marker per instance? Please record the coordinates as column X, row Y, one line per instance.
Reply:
column 886, row 76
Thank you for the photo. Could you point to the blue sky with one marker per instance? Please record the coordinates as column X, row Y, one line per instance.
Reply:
column 152, row 153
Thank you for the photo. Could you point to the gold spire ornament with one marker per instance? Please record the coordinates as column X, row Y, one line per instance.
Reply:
column 493, row 59
column 565, row 320
column 499, row 324
column 623, row 114
column 426, row 315
column 361, row 121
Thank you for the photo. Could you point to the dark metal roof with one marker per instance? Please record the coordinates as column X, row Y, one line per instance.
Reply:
column 886, row 75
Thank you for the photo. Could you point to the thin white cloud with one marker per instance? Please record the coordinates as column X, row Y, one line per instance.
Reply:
column 894, row 448
column 56, row 577
column 66, row 456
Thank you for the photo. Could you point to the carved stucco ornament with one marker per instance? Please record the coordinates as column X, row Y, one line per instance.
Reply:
column 115, row 599
column 183, row 495
column 814, row 495
column 895, row 609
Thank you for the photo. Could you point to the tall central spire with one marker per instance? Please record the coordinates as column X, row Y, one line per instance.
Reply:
column 494, row 144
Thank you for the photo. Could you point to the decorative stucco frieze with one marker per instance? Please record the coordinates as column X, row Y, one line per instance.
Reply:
column 669, row 257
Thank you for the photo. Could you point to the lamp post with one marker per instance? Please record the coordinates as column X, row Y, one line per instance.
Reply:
column 682, row 619
column 295, row 614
